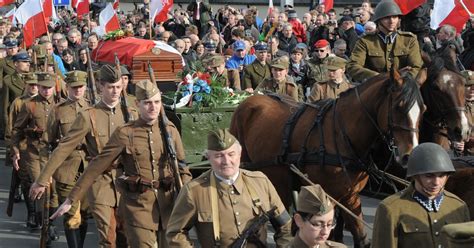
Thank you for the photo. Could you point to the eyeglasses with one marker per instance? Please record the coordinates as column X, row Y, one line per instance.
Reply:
column 320, row 51
column 321, row 225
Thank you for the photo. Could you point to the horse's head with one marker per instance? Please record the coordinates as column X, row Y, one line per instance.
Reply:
column 400, row 113
column 443, row 94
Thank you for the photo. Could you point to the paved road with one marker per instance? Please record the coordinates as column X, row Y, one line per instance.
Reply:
column 13, row 232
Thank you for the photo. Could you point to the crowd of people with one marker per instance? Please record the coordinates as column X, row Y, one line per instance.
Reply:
column 105, row 162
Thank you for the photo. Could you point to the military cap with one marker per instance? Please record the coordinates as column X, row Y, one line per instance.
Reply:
column 49, row 58
column 108, row 73
column 220, row 140
column 30, row 78
column 10, row 43
column 76, row 78
column 40, row 51
column 261, row 46
column 313, row 200
column 46, row 79
column 469, row 75
column 280, row 63
column 321, row 43
column 334, row 63
column 145, row 89
column 21, row 56
column 216, row 61
column 124, row 71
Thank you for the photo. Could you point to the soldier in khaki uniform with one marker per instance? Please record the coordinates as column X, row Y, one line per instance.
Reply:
column 59, row 123
column 229, row 78
column 7, row 67
column 314, row 219
column 94, row 126
column 31, row 90
column 317, row 71
column 31, row 124
column 386, row 48
column 259, row 70
column 224, row 201
column 415, row 216
column 336, row 84
column 147, row 183
column 280, row 82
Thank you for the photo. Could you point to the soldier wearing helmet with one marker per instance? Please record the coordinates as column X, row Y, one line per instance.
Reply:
column 415, row 216
column 385, row 49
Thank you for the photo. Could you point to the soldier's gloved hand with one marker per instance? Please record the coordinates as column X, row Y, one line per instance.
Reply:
column 36, row 191
column 167, row 183
column 64, row 208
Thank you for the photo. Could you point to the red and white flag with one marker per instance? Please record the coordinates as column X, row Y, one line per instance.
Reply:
column 406, row 6
column 453, row 12
column 6, row 2
column 159, row 10
column 108, row 20
column 81, row 6
column 10, row 14
column 31, row 15
column 116, row 4
column 49, row 11
column 328, row 4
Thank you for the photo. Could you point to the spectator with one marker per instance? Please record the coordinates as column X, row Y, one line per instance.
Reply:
column 298, row 68
column 62, row 45
column 340, row 48
column 275, row 52
column 370, row 28
column 287, row 40
column 240, row 58
column 258, row 70
column 298, row 29
column 201, row 15
column 348, row 33
column 321, row 31
column 83, row 59
column 69, row 60
column 199, row 49
column 75, row 40
column 364, row 17
column 92, row 41
column 317, row 71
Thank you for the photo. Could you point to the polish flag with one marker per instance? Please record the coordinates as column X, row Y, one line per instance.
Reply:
column 406, row 6
column 108, row 20
column 6, row 2
column 10, row 14
column 159, row 10
column 453, row 12
column 116, row 4
column 49, row 11
column 329, row 4
column 31, row 15
column 81, row 6
column 270, row 7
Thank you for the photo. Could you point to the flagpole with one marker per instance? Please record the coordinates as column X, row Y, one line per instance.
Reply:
column 150, row 22
column 465, row 8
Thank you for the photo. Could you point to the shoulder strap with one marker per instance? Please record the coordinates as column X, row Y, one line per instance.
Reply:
column 214, row 209
column 253, row 194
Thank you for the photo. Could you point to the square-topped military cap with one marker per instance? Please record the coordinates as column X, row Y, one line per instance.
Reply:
column 219, row 140
column 334, row 63
column 46, row 79
column 145, row 89
column 313, row 200
column 21, row 56
column 10, row 43
column 280, row 63
column 110, row 74
column 76, row 78
column 30, row 78
column 216, row 61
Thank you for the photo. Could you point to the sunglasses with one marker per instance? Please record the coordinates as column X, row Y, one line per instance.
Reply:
column 320, row 51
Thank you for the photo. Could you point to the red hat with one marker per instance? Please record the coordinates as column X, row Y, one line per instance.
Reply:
column 321, row 43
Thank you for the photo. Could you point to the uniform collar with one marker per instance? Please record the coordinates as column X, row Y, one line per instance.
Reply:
column 335, row 85
column 41, row 98
column 142, row 123
column 428, row 204
column 387, row 39
column 108, row 108
column 231, row 181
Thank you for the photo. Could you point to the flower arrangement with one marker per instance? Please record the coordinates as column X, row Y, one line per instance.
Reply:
column 198, row 90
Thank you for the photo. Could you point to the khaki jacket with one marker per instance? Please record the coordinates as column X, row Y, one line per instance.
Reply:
column 236, row 211
column 287, row 87
column 255, row 73
column 13, row 87
column 328, row 89
column 59, row 123
column 372, row 56
column 400, row 221
column 298, row 243
column 140, row 149
column 317, row 71
column 105, row 121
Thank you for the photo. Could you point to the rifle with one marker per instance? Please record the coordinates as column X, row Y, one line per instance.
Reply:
column 253, row 229
column 123, row 99
column 35, row 60
column 45, row 220
column 168, row 139
column 15, row 181
column 91, row 80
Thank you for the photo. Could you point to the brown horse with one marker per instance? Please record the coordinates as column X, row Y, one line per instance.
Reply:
column 387, row 107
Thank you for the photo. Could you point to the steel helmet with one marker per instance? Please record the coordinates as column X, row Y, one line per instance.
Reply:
column 429, row 158
column 386, row 8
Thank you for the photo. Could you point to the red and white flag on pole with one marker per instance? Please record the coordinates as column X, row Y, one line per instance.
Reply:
column 328, row 4
column 6, row 2
column 159, row 10
column 116, row 4
column 49, row 11
column 10, row 14
column 81, row 6
column 406, row 6
column 453, row 12
column 270, row 7
column 31, row 15
column 108, row 20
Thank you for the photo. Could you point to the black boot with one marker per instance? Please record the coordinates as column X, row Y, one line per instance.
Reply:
column 31, row 221
column 52, row 231
column 83, row 232
column 73, row 237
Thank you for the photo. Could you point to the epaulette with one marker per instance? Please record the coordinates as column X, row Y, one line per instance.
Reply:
column 202, row 179
column 451, row 195
column 407, row 33
column 62, row 102
column 254, row 174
